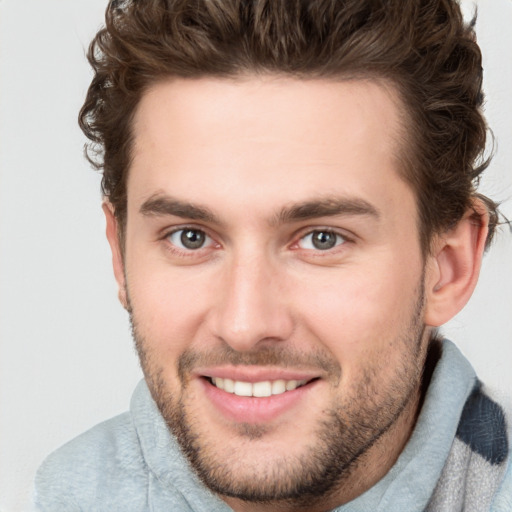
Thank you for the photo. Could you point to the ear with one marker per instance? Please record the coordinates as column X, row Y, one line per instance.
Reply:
column 117, row 253
column 454, row 266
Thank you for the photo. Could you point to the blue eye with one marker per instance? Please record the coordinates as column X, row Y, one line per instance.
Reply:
column 321, row 240
column 189, row 238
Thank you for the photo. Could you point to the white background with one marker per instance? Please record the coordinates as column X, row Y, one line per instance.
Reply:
column 66, row 356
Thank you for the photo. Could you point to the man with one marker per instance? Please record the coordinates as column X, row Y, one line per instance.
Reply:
column 291, row 207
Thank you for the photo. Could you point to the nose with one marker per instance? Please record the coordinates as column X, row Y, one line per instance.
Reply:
column 251, row 310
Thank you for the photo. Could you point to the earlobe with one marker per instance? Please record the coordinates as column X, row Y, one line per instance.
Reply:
column 117, row 254
column 454, row 266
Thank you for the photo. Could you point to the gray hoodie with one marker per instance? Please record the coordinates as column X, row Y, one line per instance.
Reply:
column 457, row 459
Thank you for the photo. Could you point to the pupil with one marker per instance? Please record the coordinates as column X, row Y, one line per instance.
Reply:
column 324, row 240
column 192, row 239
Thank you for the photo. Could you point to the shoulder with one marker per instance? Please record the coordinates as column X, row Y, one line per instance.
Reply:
column 478, row 472
column 484, row 426
column 484, row 430
column 104, row 461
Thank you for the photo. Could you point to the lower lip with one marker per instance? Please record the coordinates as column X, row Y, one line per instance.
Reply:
column 244, row 409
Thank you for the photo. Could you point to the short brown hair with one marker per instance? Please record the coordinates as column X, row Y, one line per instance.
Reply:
column 423, row 47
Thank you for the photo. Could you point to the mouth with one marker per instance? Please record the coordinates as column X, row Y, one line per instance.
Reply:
column 262, row 389
column 257, row 399
column 257, row 395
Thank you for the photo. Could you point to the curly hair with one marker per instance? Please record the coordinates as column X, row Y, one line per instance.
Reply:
column 423, row 47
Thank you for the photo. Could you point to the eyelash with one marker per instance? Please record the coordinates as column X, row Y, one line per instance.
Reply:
column 187, row 252
column 325, row 231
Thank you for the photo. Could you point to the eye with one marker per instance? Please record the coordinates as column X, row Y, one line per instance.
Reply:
column 321, row 240
column 189, row 239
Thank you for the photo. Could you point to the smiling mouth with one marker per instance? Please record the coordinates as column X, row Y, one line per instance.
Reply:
column 257, row 389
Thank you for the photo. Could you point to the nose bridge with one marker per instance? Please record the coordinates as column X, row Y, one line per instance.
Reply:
column 251, row 308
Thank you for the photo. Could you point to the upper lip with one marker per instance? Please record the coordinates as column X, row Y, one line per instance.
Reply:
column 255, row 374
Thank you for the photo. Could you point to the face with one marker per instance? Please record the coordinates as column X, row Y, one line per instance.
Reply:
column 275, row 280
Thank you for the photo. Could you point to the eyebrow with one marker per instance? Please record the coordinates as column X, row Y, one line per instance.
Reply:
column 328, row 207
column 160, row 205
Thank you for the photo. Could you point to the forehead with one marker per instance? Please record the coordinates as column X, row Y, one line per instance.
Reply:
column 279, row 138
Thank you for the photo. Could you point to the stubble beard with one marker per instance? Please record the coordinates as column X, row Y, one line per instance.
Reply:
column 345, row 432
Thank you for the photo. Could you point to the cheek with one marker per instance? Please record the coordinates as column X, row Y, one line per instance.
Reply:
column 362, row 314
column 168, row 306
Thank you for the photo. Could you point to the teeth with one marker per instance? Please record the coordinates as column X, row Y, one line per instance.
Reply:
column 291, row 384
column 262, row 389
column 278, row 387
column 257, row 389
column 243, row 388
column 229, row 386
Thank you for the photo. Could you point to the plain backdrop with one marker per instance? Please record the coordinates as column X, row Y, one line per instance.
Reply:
column 66, row 356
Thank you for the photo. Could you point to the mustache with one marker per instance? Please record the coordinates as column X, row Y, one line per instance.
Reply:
column 266, row 356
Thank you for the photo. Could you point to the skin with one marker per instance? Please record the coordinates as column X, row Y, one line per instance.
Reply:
column 266, row 162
